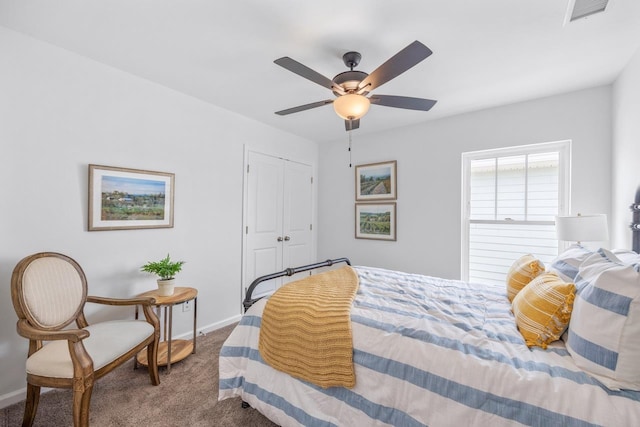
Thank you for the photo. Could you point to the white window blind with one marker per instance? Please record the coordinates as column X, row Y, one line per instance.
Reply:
column 511, row 197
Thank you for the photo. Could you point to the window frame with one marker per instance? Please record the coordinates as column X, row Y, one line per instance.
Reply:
column 564, row 191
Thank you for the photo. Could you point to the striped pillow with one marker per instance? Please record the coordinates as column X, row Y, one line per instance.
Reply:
column 543, row 309
column 522, row 271
column 604, row 334
column 567, row 264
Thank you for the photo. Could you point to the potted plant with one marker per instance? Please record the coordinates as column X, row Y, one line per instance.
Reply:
column 166, row 270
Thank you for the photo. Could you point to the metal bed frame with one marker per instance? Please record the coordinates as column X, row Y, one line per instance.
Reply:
column 249, row 301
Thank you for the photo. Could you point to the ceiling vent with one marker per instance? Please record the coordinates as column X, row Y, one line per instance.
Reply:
column 582, row 8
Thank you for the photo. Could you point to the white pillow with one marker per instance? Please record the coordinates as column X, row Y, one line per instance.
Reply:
column 604, row 332
column 566, row 264
column 627, row 256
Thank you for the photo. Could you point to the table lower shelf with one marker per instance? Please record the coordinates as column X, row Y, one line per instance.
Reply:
column 180, row 349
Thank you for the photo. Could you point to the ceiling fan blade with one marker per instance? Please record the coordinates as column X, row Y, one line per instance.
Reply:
column 405, row 102
column 304, row 71
column 396, row 65
column 304, row 107
column 351, row 124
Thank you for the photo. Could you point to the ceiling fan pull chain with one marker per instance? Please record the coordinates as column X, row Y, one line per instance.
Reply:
column 350, row 148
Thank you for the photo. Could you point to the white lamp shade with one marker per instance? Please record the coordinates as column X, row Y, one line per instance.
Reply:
column 582, row 228
column 351, row 106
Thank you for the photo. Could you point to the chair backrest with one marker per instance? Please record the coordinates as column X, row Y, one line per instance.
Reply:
column 48, row 289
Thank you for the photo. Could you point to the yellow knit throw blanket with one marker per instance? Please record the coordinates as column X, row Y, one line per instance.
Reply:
column 306, row 328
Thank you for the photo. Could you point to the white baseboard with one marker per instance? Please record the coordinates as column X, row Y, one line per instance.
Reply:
column 203, row 330
column 10, row 398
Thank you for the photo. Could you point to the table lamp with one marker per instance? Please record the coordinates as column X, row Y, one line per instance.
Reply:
column 582, row 228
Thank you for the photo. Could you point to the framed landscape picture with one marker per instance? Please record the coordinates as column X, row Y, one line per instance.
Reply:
column 376, row 181
column 376, row 221
column 121, row 198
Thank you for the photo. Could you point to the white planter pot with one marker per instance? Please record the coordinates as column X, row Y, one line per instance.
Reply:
column 166, row 287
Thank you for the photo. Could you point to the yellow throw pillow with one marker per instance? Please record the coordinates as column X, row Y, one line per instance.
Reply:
column 543, row 309
column 522, row 271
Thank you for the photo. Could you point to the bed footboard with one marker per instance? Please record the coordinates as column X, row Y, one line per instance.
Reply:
column 249, row 301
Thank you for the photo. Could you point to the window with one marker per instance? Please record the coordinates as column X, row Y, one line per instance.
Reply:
column 510, row 199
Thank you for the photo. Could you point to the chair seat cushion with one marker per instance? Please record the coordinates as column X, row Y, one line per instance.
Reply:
column 107, row 341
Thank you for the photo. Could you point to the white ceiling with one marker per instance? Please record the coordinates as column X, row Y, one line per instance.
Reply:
column 486, row 53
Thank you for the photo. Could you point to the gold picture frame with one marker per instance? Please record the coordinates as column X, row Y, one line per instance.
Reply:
column 376, row 221
column 123, row 198
column 376, row 181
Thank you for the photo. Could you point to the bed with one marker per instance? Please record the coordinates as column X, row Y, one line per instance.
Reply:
column 436, row 352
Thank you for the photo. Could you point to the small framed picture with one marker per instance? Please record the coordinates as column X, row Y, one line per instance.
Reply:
column 376, row 181
column 121, row 198
column 376, row 221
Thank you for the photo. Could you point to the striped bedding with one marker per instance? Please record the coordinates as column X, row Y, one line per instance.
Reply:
column 428, row 351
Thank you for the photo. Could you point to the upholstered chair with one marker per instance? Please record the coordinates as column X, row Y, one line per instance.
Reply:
column 49, row 292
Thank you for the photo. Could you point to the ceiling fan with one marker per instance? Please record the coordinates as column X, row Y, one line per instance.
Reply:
column 352, row 87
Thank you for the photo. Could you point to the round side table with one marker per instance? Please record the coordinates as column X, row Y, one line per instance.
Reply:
column 170, row 350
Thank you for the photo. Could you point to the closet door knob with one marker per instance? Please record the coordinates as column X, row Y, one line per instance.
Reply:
column 279, row 238
column 287, row 238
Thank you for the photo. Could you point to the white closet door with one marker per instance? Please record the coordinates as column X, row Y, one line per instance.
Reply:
column 278, row 215
column 297, row 216
column 263, row 225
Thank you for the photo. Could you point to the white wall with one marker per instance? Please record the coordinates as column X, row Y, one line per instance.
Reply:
column 429, row 176
column 626, row 149
column 58, row 113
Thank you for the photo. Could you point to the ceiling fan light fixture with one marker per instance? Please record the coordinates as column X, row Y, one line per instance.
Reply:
column 351, row 106
column 352, row 87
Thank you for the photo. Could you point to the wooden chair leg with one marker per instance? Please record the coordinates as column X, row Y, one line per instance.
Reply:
column 152, row 360
column 81, row 403
column 31, row 405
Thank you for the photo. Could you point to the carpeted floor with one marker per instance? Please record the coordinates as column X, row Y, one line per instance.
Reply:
column 188, row 396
